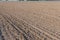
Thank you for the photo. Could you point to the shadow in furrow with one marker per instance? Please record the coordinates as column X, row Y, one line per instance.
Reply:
column 1, row 36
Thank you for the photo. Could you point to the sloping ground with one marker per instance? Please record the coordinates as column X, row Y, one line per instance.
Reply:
column 30, row 21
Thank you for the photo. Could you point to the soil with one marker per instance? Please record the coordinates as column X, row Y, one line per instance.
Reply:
column 29, row 20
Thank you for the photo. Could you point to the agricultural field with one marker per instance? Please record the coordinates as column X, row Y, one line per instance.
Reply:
column 29, row 21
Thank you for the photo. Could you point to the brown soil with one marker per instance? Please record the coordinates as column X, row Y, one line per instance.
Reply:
column 30, row 20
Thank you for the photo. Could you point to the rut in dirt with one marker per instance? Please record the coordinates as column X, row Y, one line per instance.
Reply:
column 15, row 29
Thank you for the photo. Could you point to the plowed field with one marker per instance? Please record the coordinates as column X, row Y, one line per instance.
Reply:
column 29, row 21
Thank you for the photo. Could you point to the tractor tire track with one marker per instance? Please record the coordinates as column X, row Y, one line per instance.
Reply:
column 31, row 29
column 20, row 28
column 45, row 29
column 5, row 32
column 24, row 34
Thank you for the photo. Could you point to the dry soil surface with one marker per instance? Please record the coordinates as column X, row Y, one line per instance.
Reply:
column 29, row 20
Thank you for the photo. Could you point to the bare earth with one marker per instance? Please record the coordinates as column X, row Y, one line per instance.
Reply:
column 29, row 20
